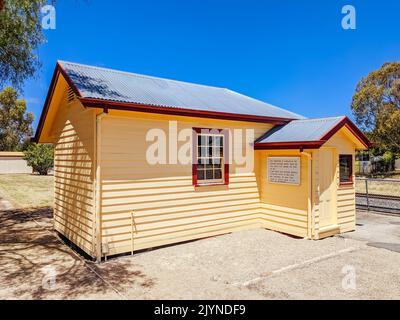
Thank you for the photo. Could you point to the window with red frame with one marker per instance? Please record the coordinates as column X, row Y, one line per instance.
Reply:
column 346, row 168
column 209, row 163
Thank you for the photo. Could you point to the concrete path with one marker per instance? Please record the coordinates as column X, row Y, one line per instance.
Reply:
column 378, row 230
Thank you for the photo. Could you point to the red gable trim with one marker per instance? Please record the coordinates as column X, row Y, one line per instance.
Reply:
column 49, row 96
column 345, row 122
column 129, row 106
column 69, row 80
column 57, row 71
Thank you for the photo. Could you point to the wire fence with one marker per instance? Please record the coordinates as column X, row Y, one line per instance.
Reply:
column 378, row 194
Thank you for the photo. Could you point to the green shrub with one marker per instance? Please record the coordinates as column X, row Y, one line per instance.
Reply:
column 40, row 157
column 388, row 157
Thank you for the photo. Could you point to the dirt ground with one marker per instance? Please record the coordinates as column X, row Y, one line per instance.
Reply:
column 256, row 264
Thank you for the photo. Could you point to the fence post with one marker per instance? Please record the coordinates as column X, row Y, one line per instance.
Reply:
column 366, row 191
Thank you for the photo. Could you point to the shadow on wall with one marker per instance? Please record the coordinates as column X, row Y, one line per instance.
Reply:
column 30, row 248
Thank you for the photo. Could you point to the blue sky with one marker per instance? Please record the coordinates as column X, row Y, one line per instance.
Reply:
column 290, row 53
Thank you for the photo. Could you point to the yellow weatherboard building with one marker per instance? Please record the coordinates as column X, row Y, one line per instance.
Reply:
column 142, row 162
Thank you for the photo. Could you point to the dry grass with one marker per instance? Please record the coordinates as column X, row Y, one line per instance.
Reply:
column 27, row 190
column 389, row 188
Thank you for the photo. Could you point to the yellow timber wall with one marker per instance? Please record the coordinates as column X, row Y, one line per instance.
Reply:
column 73, row 133
column 345, row 196
column 284, row 207
column 159, row 202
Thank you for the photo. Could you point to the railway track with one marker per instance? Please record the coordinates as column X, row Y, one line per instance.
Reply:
column 378, row 203
column 378, row 196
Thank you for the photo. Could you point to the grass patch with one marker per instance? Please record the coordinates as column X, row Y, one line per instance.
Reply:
column 27, row 190
column 387, row 188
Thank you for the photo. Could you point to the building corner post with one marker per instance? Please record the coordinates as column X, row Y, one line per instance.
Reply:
column 97, row 191
column 310, row 202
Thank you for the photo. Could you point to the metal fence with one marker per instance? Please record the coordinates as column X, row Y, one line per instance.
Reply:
column 373, row 168
column 378, row 194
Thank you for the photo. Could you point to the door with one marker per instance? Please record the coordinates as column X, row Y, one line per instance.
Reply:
column 327, row 197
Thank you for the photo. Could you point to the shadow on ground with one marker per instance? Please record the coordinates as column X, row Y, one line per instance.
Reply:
column 36, row 264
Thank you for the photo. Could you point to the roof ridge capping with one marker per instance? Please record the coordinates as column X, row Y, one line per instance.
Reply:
column 137, row 74
column 318, row 119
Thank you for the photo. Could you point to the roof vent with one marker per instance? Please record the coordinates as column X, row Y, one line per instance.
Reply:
column 70, row 95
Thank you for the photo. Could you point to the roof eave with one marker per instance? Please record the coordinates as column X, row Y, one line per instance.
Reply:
column 288, row 145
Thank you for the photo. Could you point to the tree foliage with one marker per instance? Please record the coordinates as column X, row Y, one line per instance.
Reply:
column 20, row 35
column 40, row 157
column 15, row 122
column 376, row 106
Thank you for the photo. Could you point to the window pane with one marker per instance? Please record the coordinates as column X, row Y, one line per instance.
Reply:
column 217, row 152
column 201, row 166
column 217, row 174
column 216, row 161
column 209, row 174
column 203, row 152
column 210, row 151
column 218, row 141
column 201, row 140
column 200, row 174
column 345, row 168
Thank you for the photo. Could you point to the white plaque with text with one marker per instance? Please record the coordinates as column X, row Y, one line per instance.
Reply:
column 284, row 170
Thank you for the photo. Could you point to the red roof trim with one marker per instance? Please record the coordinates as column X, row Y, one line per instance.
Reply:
column 353, row 129
column 49, row 96
column 289, row 145
column 69, row 80
column 345, row 122
column 128, row 106
column 57, row 71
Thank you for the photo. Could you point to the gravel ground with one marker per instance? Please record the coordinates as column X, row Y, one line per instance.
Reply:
column 385, row 204
column 256, row 264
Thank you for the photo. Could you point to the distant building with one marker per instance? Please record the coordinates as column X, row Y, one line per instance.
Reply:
column 13, row 162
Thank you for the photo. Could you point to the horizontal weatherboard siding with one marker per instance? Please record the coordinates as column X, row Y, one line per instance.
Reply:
column 159, row 202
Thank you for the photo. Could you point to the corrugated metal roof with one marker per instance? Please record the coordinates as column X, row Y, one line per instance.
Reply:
column 108, row 84
column 300, row 130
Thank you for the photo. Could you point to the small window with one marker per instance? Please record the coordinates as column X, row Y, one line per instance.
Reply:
column 209, row 165
column 346, row 168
